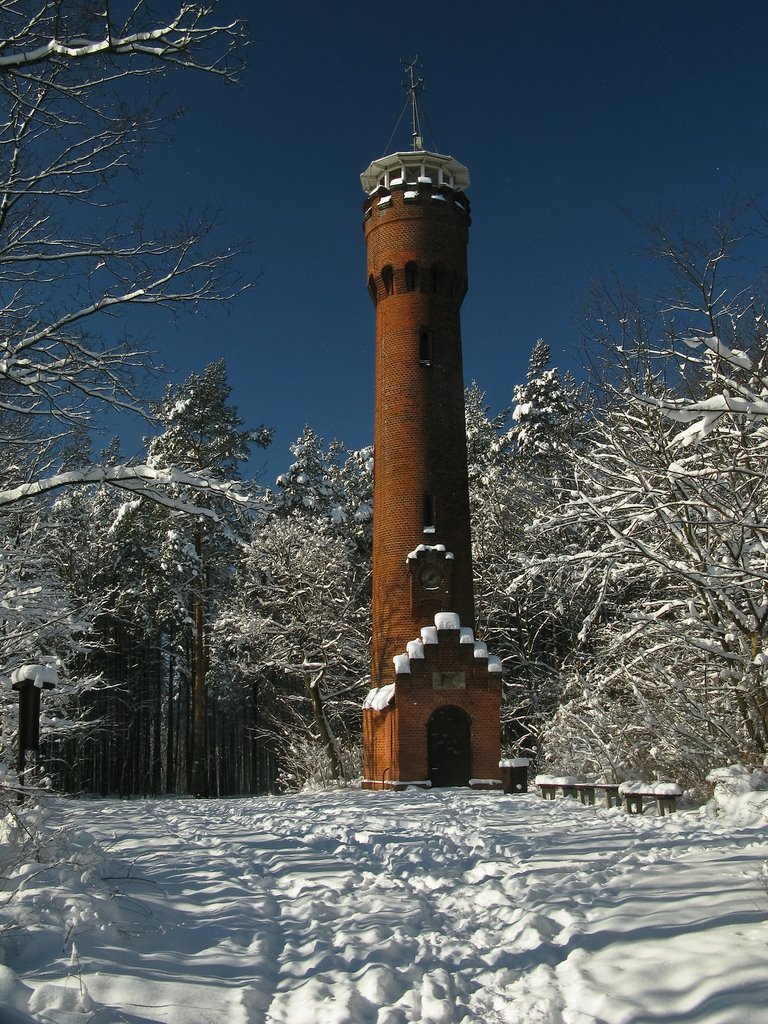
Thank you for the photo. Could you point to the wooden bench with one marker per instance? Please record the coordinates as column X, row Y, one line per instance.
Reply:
column 664, row 794
column 583, row 791
column 610, row 790
column 630, row 794
column 549, row 784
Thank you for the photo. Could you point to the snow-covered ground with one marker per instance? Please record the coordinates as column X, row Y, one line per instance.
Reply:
column 376, row 908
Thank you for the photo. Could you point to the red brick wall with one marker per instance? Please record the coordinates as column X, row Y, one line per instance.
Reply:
column 417, row 276
column 419, row 429
column 396, row 739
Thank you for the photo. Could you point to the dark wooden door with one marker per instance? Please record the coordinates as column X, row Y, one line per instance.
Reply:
column 449, row 747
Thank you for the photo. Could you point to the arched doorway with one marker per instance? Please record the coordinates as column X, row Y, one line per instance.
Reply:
column 449, row 747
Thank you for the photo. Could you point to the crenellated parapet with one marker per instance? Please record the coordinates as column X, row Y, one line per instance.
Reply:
column 425, row 656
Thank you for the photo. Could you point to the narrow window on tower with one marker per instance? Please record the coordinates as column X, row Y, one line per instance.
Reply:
column 387, row 279
column 411, row 276
column 425, row 346
column 429, row 513
column 372, row 288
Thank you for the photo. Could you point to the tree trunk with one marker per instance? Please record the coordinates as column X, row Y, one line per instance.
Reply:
column 327, row 738
column 199, row 773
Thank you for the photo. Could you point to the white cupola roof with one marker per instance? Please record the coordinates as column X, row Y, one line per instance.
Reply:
column 414, row 167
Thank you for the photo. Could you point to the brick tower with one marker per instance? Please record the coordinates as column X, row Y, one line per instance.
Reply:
column 432, row 715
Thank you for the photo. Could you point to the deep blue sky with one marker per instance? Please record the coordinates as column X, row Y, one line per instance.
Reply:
column 574, row 117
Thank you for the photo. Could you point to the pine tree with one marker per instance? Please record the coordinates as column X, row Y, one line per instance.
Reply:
column 203, row 433
column 548, row 411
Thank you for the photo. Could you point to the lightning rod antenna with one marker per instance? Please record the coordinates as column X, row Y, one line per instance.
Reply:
column 413, row 87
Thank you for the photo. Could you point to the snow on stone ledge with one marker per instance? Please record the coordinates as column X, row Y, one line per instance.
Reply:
column 555, row 780
column 440, row 548
column 378, row 698
column 415, row 649
column 666, row 789
column 444, row 621
column 402, row 664
column 447, row 620
column 515, row 762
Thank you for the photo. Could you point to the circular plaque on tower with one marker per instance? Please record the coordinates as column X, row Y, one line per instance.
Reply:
column 430, row 577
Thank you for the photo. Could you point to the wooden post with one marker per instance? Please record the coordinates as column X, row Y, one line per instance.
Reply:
column 29, row 725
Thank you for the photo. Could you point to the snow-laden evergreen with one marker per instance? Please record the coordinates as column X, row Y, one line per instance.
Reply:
column 298, row 622
column 518, row 472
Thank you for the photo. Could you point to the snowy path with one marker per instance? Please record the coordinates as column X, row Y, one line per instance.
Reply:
column 441, row 907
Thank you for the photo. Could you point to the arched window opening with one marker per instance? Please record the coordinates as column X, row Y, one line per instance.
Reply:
column 429, row 513
column 411, row 276
column 425, row 346
column 372, row 288
column 387, row 279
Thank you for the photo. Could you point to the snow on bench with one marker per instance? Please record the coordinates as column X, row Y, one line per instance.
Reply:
column 573, row 787
column 632, row 794
column 664, row 793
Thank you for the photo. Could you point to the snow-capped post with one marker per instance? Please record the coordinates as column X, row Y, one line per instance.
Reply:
column 514, row 774
column 30, row 681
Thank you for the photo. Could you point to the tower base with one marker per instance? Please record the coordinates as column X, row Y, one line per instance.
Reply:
column 438, row 723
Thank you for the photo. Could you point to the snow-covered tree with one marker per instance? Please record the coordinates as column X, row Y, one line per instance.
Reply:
column 77, row 110
column 299, row 624
column 204, row 435
column 548, row 413
column 517, row 475
column 329, row 483
column 668, row 675
column 296, row 633
column 45, row 627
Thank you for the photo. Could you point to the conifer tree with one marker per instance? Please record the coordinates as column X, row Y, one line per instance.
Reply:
column 204, row 434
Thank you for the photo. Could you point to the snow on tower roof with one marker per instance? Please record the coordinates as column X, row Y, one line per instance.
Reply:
column 414, row 166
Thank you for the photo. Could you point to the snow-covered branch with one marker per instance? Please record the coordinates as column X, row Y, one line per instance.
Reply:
column 147, row 481
column 190, row 38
